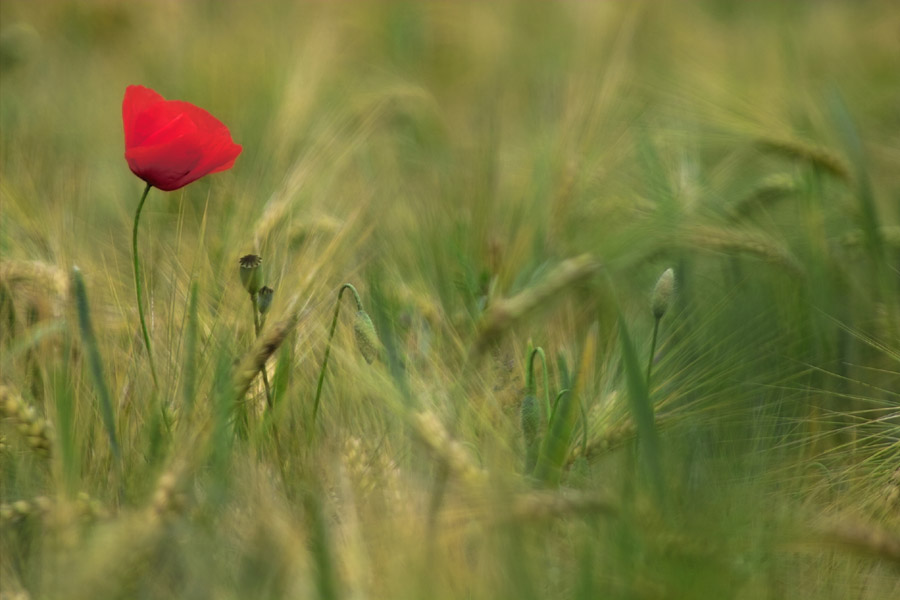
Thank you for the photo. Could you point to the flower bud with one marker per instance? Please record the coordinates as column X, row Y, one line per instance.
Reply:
column 366, row 336
column 264, row 299
column 251, row 274
column 530, row 414
column 663, row 292
column 531, row 418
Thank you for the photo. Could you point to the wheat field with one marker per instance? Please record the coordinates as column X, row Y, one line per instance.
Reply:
column 517, row 402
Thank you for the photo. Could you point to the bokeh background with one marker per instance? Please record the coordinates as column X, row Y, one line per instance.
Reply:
column 458, row 162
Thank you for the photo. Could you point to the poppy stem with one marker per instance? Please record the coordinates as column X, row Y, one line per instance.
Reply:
column 257, row 326
column 337, row 310
column 137, row 283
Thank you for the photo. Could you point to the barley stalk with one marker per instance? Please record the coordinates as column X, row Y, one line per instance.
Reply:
column 42, row 507
column 264, row 347
column 168, row 499
column 545, row 504
column 857, row 239
column 805, row 151
column 447, row 450
column 37, row 431
column 769, row 191
column 862, row 538
column 43, row 275
column 42, row 281
column 612, row 439
column 730, row 240
column 20, row 510
column 505, row 313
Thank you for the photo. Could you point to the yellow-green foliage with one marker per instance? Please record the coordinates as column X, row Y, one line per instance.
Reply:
column 490, row 177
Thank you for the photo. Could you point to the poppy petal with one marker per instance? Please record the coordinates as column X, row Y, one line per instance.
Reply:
column 137, row 100
column 204, row 120
column 175, row 129
column 219, row 155
column 170, row 143
column 165, row 166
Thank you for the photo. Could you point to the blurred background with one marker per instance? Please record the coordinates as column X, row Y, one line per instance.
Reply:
column 447, row 157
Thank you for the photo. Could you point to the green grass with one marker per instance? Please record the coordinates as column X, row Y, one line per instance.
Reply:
column 492, row 178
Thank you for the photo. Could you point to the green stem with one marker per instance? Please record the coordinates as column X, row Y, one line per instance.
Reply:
column 652, row 352
column 555, row 405
column 337, row 310
column 584, row 427
column 529, row 379
column 349, row 286
column 137, row 283
column 257, row 327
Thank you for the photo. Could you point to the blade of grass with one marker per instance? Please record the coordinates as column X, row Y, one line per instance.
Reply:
column 95, row 361
column 189, row 386
column 641, row 410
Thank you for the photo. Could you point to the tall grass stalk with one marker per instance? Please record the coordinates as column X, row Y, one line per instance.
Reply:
column 95, row 362
column 642, row 412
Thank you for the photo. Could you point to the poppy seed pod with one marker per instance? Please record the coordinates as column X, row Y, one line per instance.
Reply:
column 251, row 274
column 366, row 337
column 663, row 292
column 264, row 299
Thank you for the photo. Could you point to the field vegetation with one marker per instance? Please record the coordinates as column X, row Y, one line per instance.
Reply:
column 518, row 403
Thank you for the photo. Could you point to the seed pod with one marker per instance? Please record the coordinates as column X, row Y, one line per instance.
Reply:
column 264, row 299
column 663, row 292
column 251, row 274
column 366, row 336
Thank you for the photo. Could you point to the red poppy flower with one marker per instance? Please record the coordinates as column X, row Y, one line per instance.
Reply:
column 170, row 143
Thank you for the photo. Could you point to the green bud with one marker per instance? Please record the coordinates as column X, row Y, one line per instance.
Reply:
column 264, row 299
column 663, row 292
column 251, row 274
column 366, row 336
column 530, row 414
